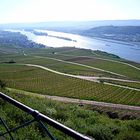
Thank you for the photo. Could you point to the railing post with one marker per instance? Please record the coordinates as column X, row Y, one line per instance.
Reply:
column 44, row 118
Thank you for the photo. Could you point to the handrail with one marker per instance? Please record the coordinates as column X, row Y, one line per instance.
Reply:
column 44, row 118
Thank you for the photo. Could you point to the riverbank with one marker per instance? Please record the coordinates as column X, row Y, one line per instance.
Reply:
column 123, row 50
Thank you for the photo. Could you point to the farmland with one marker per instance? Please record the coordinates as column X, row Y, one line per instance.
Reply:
column 82, row 119
column 90, row 120
column 95, row 59
column 44, row 82
column 130, row 84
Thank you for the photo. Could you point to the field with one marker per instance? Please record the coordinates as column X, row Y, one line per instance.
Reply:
column 33, row 79
column 114, row 67
column 91, row 59
column 90, row 120
column 44, row 82
column 130, row 84
column 82, row 119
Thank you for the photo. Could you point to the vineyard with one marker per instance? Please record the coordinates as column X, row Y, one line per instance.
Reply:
column 111, row 66
column 129, row 84
column 81, row 119
column 65, row 67
column 44, row 82
column 61, row 54
column 76, row 55
column 28, row 74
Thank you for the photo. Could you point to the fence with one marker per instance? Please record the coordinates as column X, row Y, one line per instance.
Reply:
column 40, row 118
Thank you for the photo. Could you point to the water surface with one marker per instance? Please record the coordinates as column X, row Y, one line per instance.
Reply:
column 125, row 50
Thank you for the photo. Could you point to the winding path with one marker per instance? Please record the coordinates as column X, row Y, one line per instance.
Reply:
column 95, row 79
column 105, row 59
column 78, row 101
column 103, row 104
column 68, row 62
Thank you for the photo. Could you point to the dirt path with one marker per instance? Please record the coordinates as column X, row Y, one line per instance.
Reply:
column 105, row 59
column 74, row 63
column 95, row 79
column 78, row 101
column 109, row 78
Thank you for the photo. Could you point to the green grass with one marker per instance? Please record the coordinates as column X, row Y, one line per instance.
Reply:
column 81, row 119
column 123, row 83
column 56, row 65
column 119, row 68
column 45, row 82
column 64, row 67
column 72, row 54
column 112, row 66
column 25, row 76
column 99, row 54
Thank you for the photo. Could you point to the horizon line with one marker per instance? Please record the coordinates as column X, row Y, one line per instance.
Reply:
column 60, row 21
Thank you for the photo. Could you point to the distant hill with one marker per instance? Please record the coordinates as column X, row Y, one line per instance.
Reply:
column 123, row 30
column 68, row 26
column 122, row 33
column 17, row 39
column 127, row 30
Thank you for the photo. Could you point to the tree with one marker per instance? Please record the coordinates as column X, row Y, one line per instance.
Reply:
column 2, row 84
column 11, row 61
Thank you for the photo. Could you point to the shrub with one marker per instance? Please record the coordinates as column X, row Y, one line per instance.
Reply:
column 100, row 132
column 134, row 125
column 11, row 61
column 2, row 84
column 128, row 135
column 112, row 115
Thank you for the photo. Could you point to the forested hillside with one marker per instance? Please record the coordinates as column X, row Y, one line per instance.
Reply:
column 121, row 33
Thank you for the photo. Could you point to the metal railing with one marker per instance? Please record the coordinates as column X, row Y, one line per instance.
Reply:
column 40, row 118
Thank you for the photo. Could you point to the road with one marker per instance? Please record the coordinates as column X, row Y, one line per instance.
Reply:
column 78, row 101
column 105, row 59
column 95, row 79
column 91, row 67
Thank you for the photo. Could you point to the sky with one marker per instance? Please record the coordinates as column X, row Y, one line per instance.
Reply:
column 21, row 11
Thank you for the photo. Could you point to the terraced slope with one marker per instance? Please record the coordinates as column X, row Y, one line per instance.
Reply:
column 44, row 82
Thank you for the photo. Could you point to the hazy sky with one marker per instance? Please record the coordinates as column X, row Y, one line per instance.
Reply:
column 67, row 10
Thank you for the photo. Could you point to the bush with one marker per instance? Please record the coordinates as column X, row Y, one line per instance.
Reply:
column 11, row 61
column 128, row 117
column 2, row 84
column 134, row 125
column 128, row 135
column 100, row 132
column 112, row 115
column 87, row 122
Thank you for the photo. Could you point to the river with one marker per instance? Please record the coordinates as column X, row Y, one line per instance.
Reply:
column 125, row 50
